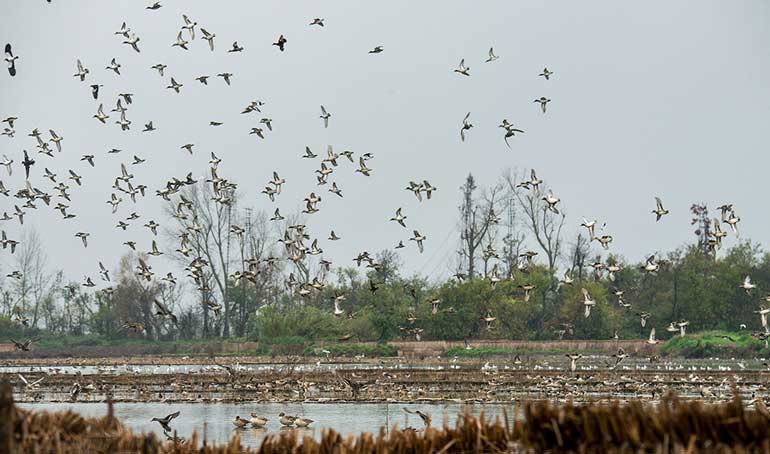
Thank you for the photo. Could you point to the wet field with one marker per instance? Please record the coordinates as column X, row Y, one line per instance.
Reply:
column 214, row 419
column 392, row 380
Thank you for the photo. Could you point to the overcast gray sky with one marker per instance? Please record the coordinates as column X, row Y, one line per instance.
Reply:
column 666, row 98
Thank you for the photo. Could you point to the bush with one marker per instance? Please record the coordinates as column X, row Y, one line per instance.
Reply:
column 714, row 343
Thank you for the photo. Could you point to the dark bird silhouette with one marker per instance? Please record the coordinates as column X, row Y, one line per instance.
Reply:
column 10, row 59
column 281, row 43
column 28, row 162
column 166, row 420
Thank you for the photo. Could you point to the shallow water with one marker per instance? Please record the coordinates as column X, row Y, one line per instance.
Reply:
column 536, row 362
column 165, row 369
column 342, row 417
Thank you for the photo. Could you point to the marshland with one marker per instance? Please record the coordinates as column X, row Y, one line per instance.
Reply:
column 384, row 227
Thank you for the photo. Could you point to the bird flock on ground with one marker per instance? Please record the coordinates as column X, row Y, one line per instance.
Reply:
column 58, row 194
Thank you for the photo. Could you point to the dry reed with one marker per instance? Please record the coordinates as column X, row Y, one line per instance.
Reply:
column 671, row 426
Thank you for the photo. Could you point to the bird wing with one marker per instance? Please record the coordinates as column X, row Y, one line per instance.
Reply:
column 658, row 203
column 163, row 308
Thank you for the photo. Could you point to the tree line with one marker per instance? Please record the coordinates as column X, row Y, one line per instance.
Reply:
column 515, row 276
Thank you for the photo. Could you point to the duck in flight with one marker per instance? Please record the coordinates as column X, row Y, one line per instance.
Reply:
column 466, row 126
column 588, row 303
column 399, row 218
column 325, row 116
column 492, row 56
column 208, row 37
column 133, row 41
column 82, row 71
column 166, row 421
column 659, row 211
column 10, row 60
column 28, row 163
column 419, row 240
column 543, row 102
column 462, row 69
column 281, row 43
column 114, row 66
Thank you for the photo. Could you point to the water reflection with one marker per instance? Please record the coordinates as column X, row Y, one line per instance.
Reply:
column 214, row 421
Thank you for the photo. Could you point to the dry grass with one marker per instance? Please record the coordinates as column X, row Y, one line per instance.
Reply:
column 671, row 426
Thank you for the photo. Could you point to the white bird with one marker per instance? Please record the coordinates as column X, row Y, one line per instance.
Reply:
column 492, row 56
column 325, row 115
column 419, row 239
column 115, row 66
column 462, row 69
column 133, row 41
column 588, row 303
column 10, row 59
column 208, row 37
column 747, row 286
column 82, row 71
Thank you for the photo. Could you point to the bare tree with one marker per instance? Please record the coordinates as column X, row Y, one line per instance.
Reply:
column 701, row 219
column 134, row 296
column 579, row 252
column 260, row 278
column 477, row 221
column 514, row 239
column 545, row 224
column 36, row 282
column 206, row 228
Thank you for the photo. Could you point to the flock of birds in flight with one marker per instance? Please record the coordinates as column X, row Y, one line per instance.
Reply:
column 295, row 236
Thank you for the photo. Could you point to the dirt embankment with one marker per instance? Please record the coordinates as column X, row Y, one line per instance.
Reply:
column 409, row 349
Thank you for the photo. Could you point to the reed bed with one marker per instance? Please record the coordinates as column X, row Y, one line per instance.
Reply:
column 671, row 426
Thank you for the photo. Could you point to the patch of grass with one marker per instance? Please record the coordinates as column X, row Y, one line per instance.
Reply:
column 714, row 343
column 481, row 352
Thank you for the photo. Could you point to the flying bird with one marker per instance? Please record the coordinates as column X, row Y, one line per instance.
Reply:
column 465, row 127
column 82, row 71
column 543, row 102
column 208, row 37
column 462, row 69
column 659, row 211
column 281, row 43
column 492, row 56
column 325, row 115
column 28, row 163
column 10, row 59
column 115, row 66
column 419, row 239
